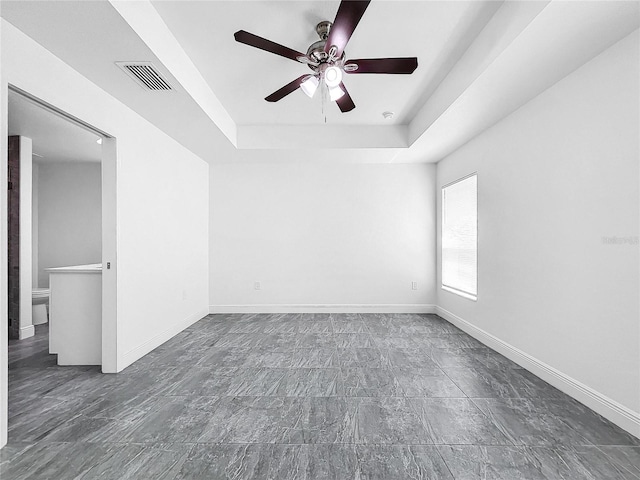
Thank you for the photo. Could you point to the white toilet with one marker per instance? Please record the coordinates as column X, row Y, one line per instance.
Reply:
column 39, row 304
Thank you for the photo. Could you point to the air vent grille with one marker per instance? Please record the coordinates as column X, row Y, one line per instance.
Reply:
column 146, row 75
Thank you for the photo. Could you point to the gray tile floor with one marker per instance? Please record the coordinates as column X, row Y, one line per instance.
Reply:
column 304, row 396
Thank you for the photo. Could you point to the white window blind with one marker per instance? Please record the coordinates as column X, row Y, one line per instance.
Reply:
column 460, row 237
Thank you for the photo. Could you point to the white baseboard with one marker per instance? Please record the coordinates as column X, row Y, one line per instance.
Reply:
column 324, row 308
column 154, row 342
column 26, row 332
column 610, row 409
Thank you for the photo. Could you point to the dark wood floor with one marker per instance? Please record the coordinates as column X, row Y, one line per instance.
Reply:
column 304, row 396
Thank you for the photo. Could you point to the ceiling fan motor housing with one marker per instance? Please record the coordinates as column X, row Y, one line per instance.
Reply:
column 323, row 29
column 316, row 50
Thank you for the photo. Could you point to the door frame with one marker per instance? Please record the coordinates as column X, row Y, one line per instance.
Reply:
column 109, row 227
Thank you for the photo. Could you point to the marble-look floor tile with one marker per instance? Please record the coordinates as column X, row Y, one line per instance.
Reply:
column 427, row 383
column 265, row 461
column 388, row 342
column 461, row 340
column 410, row 359
column 175, row 419
column 178, row 353
column 125, row 405
column 525, row 422
column 252, row 420
column 400, row 462
column 307, row 325
column 204, row 382
column 370, row 382
column 439, row 326
column 353, row 340
column 267, row 358
column 287, row 323
column 324, row 420
column 88, row 384
column 313, row 382
column 225, row 357
column 457, row 421
column 388, row 420
column 304, row 396
column 253, row 324
column 579, row 463
column 421, row 341
column 317, row 317
column 287, row 382
column 156, row 461
column 347, row 323
column 242, row 462
column 315, row 358
column 89, row 461
column 40, row 381
column 58, row 460
column 334, row 461
column 310, row 340
column 140, row 386
column 627, row 458
column 483, row 382
column 471, row 462
column 592, row 426
column 47, row 415
column 88, row 429
column 257, row 382
column 21, row 405
column 376, row 323
column 12, row 451
column 470, row 358
column 239, row 340
column 362, row 357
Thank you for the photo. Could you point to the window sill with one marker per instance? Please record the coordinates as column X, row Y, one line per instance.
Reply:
column 461, row 293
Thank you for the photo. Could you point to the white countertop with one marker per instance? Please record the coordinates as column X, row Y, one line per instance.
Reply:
column 91, row 268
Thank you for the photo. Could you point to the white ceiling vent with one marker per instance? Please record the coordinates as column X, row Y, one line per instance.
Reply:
column 146, row 75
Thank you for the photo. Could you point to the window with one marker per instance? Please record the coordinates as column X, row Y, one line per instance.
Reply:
column 460, row 237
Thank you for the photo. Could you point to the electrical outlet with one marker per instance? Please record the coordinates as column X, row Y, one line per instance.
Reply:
column 257, row 286
column 414, row 285
column 184, row 294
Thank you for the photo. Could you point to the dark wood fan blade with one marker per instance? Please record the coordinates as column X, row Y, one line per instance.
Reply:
column 267, row 45
column 345, row 103
column 286, row 90
column 349, row 14
column 382, row 65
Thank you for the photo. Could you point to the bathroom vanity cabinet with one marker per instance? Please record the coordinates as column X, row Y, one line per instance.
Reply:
column 75, row 314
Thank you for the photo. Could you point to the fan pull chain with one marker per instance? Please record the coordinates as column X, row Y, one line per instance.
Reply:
column 322, row 107
column 324, row 98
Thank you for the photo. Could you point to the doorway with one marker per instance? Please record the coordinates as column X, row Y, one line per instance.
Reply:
column 62, row 215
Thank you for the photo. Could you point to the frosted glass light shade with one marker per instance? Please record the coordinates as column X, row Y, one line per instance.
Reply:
column 332, row 76
column 335, row 93
column 309, row 86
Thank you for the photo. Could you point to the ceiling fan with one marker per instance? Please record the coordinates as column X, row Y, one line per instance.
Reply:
column 326, row 57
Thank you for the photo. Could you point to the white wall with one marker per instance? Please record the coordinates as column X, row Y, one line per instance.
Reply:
column 317, row 236
column 69, row 215
column 161, row 269
column 554, row 179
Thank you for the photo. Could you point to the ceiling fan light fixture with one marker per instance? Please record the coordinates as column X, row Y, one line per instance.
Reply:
column 335, row 93
column 327, row 59
column 332, row 77
column 310, row 85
